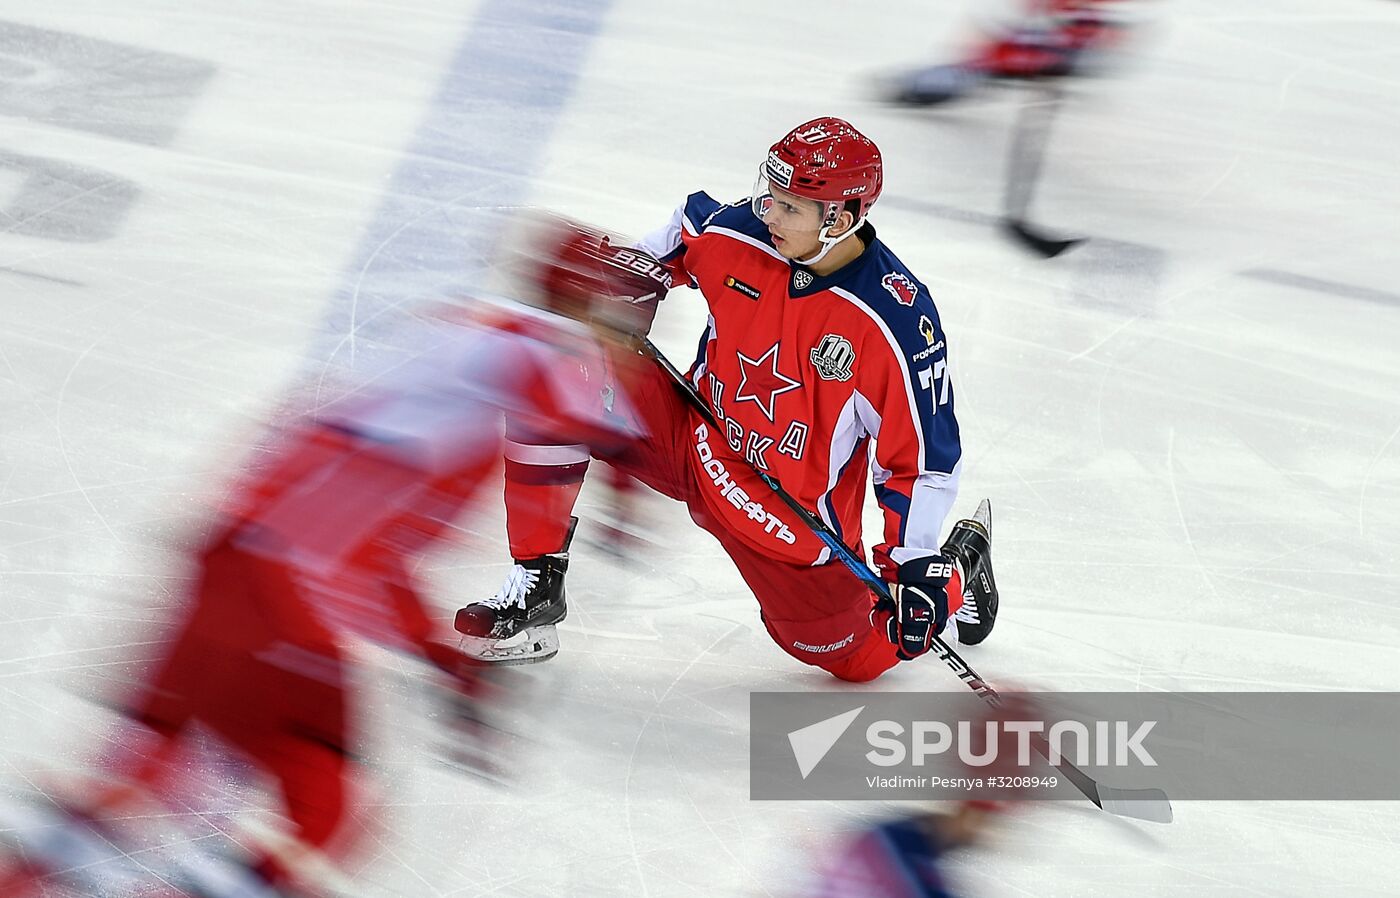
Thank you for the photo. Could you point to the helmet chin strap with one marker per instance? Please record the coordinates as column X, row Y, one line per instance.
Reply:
column 828, row 242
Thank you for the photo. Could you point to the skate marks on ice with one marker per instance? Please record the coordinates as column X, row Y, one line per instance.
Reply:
column 1321, row 285
column 1126, row 277
column 620, row 759
column 1104, row 272
column 472, row 157
column 1117, row 276
column 38, row 276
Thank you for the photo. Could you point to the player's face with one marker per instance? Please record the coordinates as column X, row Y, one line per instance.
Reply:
column 793, row 223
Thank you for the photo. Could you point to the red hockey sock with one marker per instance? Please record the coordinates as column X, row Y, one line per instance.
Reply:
column 540, row 494
column 955, row 593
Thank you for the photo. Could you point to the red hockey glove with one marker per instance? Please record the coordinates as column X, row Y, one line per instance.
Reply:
column 918, row 608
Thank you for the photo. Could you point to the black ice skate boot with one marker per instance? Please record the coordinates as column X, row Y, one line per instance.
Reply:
column 516, row 625
column 970, row 547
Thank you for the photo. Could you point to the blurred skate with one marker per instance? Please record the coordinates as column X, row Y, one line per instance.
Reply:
column 48, row 845
column 1006, row 60
column 930, row 86
column 207, row 876
column 517, row 624
column 300, row 870
column 475, row 736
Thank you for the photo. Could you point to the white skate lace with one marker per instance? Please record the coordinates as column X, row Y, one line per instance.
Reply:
column 966, row 614
column 518, row 584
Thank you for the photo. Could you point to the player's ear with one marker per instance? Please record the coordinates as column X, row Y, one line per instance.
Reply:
column 844, row 221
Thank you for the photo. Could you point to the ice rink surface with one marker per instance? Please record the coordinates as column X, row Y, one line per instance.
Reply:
column 1189, row 427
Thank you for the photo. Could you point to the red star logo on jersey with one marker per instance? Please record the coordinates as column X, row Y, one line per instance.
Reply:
column 761, row 380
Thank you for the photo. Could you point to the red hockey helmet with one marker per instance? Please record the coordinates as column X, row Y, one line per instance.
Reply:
column 827, row 160
column 584, row 273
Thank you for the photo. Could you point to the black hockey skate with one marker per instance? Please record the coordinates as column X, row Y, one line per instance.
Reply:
column 970, row 547
column 516, row 625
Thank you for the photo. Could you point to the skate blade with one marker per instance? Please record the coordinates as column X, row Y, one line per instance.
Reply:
column 530, row 646
column 983, row 515
column 981, row 519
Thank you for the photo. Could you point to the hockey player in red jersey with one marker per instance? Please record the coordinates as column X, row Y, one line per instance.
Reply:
column 822, row 353
column 319, row 543
column 1051, row 39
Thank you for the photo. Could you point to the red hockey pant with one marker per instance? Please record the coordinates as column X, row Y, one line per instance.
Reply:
column 819, row 615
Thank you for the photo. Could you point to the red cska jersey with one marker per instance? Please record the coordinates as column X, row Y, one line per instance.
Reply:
column 813, row 377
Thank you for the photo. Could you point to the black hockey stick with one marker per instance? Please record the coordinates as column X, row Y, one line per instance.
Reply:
column 1023, row 165
column 1144, row 804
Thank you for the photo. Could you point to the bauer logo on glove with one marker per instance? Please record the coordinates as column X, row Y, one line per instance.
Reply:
column 917, row 609
column 939, row 569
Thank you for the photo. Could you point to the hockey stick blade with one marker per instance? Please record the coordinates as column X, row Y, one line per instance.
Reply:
column 1040, row 244
column 1151, row 805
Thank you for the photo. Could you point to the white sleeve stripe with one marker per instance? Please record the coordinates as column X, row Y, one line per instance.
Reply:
column 878, row 475
column 930, row 502
column 844, row 437
column 526, row 454
column 701, row 368
column 865, row 411
column 915, row 418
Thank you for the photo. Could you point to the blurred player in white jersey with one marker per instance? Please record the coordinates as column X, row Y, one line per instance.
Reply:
column 318, row 544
